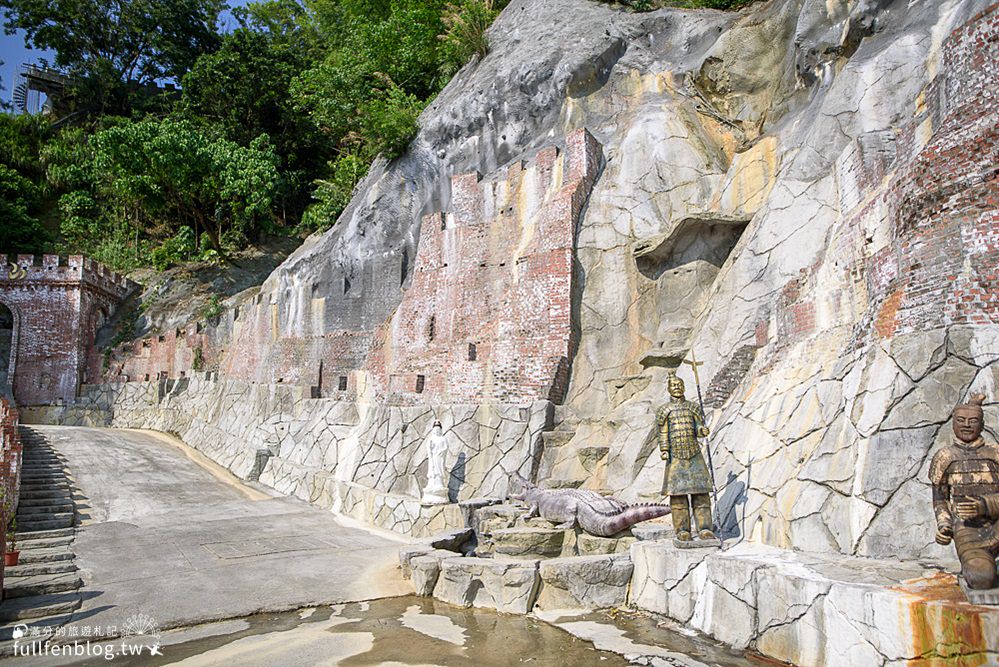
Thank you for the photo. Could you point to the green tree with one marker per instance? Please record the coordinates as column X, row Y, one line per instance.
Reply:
column 113, row 46
column 167, row 174
column 242, row 90
column 23, row 192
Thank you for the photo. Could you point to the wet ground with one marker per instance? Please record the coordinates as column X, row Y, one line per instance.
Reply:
column 411, row 631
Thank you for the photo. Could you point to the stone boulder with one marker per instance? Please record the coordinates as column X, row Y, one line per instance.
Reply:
column 528, row 542
column 588, row 582
column 490, row 583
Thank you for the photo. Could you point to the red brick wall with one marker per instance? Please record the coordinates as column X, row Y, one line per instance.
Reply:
column 496, row 272
column 57, row 308
column 10, row 469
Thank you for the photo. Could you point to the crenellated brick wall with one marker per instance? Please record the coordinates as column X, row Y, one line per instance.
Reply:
column 58, row 306
column 485, row 314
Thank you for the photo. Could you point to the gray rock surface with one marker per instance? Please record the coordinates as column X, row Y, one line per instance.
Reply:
column 528, row 542
column 588, row 582
column 503, row 585
column 747, row 156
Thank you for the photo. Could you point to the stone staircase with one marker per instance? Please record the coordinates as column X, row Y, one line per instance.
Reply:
column 43, row 588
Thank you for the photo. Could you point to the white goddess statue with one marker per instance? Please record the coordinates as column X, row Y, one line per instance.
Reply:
column 435, row 492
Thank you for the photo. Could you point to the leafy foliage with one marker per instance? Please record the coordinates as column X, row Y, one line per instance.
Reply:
column 465, row 24
column 22, row 184
column 112, row 47
column 275, row 124
column 167, row 174
column 333, row 195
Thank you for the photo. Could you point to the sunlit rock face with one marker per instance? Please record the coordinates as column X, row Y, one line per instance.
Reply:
column 801, row 195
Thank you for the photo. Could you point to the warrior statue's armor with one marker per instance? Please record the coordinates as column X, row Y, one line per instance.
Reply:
column 965, row 480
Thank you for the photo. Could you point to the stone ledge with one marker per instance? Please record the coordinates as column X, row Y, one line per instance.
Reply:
column 504, row 585
column 810, row 609
column 584, row 582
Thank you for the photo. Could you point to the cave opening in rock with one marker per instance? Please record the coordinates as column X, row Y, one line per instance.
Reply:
column 709, row 240
column 6, row 345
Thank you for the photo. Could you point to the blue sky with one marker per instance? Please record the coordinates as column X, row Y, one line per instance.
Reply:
column 13, row 53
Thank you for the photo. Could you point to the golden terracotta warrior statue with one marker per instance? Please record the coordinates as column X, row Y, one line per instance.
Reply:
column 965, row 479
column 680, row 424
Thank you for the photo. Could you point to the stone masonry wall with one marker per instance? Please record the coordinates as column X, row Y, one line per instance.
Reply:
column 330, row 452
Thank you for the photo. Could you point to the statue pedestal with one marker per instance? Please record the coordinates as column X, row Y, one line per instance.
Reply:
column 434, row 495
column 714, row 543
column 983, row 596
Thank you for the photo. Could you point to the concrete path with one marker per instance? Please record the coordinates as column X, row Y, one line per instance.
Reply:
column 168, row 534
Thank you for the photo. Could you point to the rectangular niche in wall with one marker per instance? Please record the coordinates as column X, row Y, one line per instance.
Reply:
column 421, row 382
column 342, row 383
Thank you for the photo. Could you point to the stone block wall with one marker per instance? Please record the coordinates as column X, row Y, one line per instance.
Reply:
column 856, row 309
column 365, row 459
column 882, row 334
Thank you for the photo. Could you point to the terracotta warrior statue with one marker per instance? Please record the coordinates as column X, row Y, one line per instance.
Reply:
column 680, row 424
column 965, row 479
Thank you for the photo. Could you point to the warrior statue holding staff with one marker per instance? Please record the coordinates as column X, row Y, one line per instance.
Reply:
column 680, row 424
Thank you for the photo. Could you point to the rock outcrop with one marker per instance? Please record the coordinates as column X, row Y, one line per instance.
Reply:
column 803, row 194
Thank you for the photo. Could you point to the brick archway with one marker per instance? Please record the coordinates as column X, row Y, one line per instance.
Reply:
column 10, row 326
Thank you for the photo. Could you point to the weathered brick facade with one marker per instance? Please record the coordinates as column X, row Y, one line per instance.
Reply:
column 486, row 313
column 933, row 185
column 10, row 469
column 56, row 310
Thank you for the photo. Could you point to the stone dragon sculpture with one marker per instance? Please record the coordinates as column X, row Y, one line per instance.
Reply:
column 597, row 515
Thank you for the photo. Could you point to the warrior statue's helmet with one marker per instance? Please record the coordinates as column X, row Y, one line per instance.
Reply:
column 675, row 385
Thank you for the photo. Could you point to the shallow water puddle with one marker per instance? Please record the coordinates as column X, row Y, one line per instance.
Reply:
column 414, row 632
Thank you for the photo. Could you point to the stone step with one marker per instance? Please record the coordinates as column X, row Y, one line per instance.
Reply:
column 42, row 479
column 45, row 567
column 33, row 537
column 528, row 542
column 46, row 542
column 38, row 606
column 48, row 555
column 41, row 485
column 40, row 584
column 35, row 511
column 63, row 520
column 44, row 472
column 7, row 633
column 35, row 502
column 44, row 493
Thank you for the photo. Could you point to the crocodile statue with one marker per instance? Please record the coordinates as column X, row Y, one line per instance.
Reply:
column 599, row 515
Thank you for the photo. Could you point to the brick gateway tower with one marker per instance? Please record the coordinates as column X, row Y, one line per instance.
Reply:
column 50, row 312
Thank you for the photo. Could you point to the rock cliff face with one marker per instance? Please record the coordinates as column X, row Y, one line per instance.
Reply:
column 802, row 194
